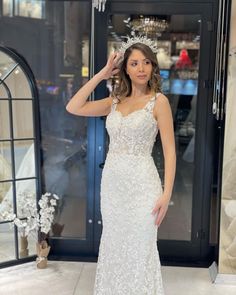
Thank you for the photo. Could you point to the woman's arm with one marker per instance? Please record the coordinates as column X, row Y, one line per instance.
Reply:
column 165, row 124
column 78, row 104
column 162, row 112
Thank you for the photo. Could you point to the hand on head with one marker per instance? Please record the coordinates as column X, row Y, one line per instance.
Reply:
column 112, row 66
column 118, row 58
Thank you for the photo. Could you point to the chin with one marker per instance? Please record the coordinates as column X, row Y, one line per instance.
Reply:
column 141, row 82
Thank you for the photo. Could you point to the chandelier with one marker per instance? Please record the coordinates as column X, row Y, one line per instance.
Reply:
column 151, row 26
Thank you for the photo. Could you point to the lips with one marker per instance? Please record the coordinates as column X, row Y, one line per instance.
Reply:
column 142, row 76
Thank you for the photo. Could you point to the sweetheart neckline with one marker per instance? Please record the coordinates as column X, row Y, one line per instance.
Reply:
column 143, row 108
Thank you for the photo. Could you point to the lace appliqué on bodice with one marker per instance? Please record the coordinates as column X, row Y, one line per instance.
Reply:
column 134, row 133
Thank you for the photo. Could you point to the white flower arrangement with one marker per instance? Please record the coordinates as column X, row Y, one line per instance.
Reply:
column 28, row 219
column 47, row 205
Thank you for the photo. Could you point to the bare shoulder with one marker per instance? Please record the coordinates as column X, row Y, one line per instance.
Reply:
column 161, row 100
column 162, row 106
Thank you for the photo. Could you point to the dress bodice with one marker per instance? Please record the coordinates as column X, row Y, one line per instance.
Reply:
column 134, row 133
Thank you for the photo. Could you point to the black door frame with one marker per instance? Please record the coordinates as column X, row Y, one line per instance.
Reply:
column 197, row 252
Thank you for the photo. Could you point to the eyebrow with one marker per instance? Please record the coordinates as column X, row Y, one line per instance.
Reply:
column 137, row 59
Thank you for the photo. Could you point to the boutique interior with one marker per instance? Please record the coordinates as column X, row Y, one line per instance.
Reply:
column 61, row 65
column 178, row 41
column 56, row 43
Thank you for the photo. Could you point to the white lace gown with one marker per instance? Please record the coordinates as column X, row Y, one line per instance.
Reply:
column 128, row 261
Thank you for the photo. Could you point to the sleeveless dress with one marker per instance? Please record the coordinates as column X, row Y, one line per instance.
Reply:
column 128, row 261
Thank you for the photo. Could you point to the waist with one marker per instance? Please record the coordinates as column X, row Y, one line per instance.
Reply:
column 120, row 153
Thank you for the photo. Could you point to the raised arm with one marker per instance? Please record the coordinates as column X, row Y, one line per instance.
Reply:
column 78, row 104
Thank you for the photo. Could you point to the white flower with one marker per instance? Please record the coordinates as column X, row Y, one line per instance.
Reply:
column 53, row 202
column 56, row 196
column 29, row 220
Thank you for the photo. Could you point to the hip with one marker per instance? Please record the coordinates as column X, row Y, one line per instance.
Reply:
column 136, row 170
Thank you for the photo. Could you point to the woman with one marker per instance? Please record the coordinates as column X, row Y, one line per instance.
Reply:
column 133, row 203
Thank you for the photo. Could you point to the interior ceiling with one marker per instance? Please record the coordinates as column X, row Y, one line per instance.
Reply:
column 178, row 23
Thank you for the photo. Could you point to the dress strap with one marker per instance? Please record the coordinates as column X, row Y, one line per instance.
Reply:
column 150, row 105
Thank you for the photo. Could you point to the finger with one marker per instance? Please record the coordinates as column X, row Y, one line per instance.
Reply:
column 111, row 58
column 116, row 71
column 118, row 59
column 156, row 208
column 117, row 55
column 160, row 216
column 159, row 219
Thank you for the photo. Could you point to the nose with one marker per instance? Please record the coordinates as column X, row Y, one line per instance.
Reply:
column 140, row 67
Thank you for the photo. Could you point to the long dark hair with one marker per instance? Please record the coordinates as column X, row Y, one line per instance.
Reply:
column 124, row 86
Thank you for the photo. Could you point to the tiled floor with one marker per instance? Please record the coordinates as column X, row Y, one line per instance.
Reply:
column 77, row 278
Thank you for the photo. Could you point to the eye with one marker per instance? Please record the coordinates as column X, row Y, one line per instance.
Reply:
column 133, row 64
column 147, row 62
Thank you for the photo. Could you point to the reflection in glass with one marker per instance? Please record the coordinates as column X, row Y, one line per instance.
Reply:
column 24, row 158
column 23, row 187
column 3, row 92
column 22, row 119
column 60, row 67
column 30, row 8
column 65, row 174
column 6, row 199
column 7, row 64
column 18, row 84
column 4, row 120
column 7, row 7
column 178, row 57
column 5, row 160
column 64, row 136
column 26, row 245
column 7, row 245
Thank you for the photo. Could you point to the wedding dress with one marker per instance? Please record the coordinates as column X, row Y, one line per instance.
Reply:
column 128, row 261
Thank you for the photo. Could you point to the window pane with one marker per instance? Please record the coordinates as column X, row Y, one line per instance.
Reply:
column 25, row 190
column 6, row 200
column 26, row 245
column 24, row 158
column 5, row 160
column 3, row 91
column 7, row 245
column 30, row 8
column 4, row 120
column 22, row 119
column 7, row 7
column 26, row 200
column 7, row 65
column 18, row 84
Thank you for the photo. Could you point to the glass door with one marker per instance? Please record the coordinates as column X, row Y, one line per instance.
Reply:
column 183, row 56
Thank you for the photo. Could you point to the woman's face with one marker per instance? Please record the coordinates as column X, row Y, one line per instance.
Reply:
column 139, row 68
